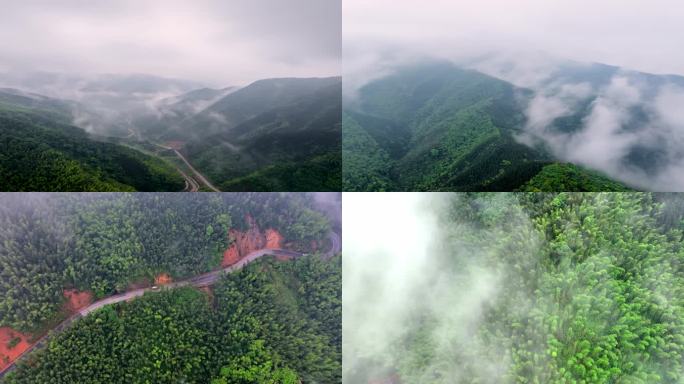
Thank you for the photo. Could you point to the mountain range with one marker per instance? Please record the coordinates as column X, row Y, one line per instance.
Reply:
column 274, row 134
column 436, row 126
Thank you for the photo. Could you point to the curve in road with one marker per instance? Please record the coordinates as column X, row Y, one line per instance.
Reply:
column 199, row 176
column 197, row 281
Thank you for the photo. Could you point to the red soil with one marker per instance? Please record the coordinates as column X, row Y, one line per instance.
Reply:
column 7, row 355
column 249, row 241
column 162, row 279
column 77, row 300
column 273, row 239
column 230, row 256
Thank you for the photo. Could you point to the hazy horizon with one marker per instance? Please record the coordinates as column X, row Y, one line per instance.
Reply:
column 211, row 42
column 629, row 34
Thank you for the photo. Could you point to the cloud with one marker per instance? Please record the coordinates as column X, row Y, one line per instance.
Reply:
column 624, row 123
column 632, row 131
column 415, row 283
column 219, row 42
column 632, row 33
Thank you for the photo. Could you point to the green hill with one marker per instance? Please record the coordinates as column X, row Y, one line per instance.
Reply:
column 42, row 151
column 436, row 127
column 272, row 322
column 292, row 144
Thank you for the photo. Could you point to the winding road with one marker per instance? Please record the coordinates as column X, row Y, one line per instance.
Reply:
column 190, row 184
column 198, row 175
column 196, row 281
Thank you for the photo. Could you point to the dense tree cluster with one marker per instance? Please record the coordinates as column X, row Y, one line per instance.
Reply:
column 42, row 151
column 320, row 173
column 273, row 135
column 571, row 178
column 104, row 242
column 272, row 322
column 436, row 127
column 590, row 289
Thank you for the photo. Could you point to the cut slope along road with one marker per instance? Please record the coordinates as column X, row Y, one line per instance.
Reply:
column 197, row 281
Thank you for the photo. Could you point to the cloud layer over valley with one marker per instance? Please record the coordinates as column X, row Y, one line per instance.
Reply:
column 621, row 117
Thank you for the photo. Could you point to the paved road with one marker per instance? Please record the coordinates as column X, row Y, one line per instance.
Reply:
column 197, row 174
column 197, row 281
column 190, row 184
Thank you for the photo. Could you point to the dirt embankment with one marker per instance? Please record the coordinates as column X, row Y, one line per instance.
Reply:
column 77, row 300
column 249, row 241
column 162, row 279
column 12, row 344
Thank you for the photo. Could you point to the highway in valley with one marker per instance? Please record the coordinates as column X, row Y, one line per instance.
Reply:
column 190, row 184
column 198, row 175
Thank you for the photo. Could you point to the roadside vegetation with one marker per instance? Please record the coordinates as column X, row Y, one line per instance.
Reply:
column 271, row 322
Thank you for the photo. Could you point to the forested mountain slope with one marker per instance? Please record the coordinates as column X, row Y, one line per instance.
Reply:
column 292, row 143
column 170, row 116
column 434, row 126
column 103, row 243
column 43, row 151
column 272, row 135
column 549, row 288
column 271, row 322
column 253, row 100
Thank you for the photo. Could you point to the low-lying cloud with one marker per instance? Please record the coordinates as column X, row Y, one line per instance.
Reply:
column 628, row 125
column 415, row 285
column 630, row 130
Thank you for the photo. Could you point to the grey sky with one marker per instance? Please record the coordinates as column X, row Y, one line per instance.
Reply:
column 637, row 34
column 220, row 42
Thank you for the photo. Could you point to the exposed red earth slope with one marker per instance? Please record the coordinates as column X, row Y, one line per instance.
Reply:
column 7, row 354
column 273, row 239
column 77, row 299
column 162, row 279
column 249, row 241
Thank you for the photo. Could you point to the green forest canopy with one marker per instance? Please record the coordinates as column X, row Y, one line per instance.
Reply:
column 592, row 291
column 271, row 322
column 43, row 151
column 103, row 242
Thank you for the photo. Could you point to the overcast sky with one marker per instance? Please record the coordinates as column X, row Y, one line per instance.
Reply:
column 220, row 42
column 637, row 34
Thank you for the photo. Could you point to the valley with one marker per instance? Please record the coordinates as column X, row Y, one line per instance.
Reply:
column 435, row 126
column 271, row 135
